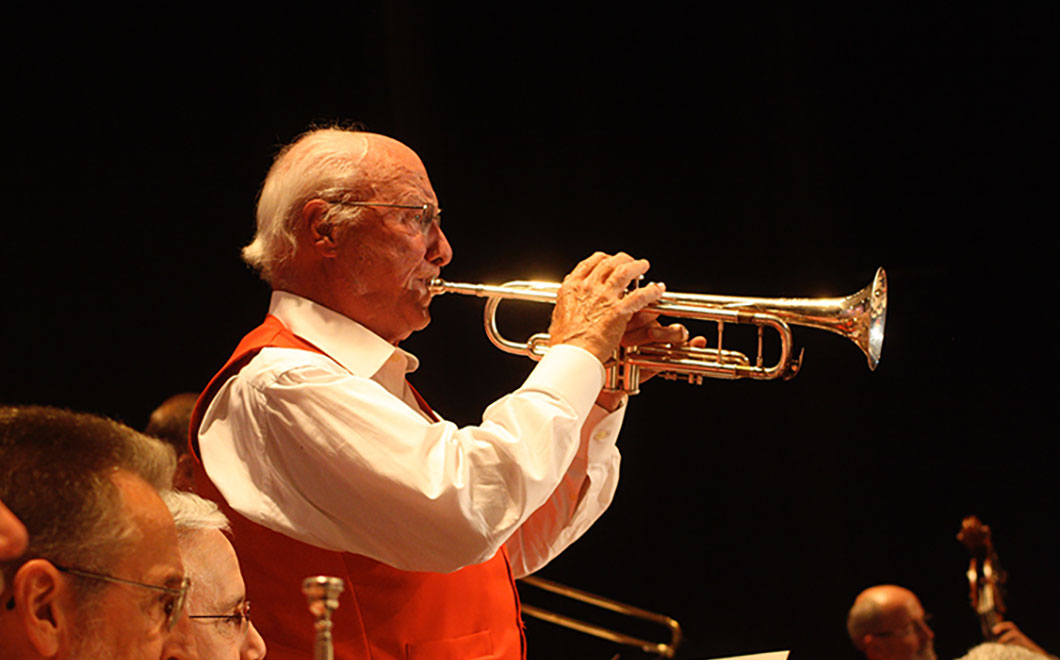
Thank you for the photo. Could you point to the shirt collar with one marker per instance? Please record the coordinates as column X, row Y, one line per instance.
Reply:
column 346, row 341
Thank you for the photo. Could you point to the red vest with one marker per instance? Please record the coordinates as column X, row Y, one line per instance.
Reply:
column 384, row 613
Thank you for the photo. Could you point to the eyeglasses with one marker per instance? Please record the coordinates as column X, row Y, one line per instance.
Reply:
column 171, row 600
column 428, row 213
column 914, row 626
column 229, row 624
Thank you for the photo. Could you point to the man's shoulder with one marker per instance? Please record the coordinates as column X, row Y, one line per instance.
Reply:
column 273, row 366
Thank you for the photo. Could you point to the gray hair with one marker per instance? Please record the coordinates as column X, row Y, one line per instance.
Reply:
column 56, row 469
column 864, row 618
column 995, row 651
column 318, row 163
column 192, row 513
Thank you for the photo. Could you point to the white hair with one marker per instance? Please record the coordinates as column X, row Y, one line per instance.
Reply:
column 321, row 162
column 192, row 513
column 995, row 651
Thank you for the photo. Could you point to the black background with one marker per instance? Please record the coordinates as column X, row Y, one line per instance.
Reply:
column 763, row 150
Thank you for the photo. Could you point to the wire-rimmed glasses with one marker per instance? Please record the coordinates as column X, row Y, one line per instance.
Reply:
column 239, row 619
column 173, row 597
column 428, row 213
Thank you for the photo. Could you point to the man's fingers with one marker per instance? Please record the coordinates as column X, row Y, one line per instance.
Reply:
column 594, row 306
column 587, row 265
column 641, row 319
column 625, row 269
column 638, row 299
column 655, row 333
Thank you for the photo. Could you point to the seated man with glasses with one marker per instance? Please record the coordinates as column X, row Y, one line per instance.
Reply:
column 217, row 602
column 887, row 622
column 330, row 463
column 101, row 576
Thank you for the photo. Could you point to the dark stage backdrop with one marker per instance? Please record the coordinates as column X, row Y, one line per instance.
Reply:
column 759, row 150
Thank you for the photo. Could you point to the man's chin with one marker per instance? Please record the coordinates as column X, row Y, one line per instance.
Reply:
column 412, row 325
column 422, row 322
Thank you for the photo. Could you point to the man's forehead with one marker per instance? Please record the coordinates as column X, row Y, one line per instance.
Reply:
column 905, row 607
column 213, row 567
column 913, row 607
column 395, row 169
column 155, row 552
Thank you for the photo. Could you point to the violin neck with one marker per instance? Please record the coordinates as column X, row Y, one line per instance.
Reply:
column 987, row 620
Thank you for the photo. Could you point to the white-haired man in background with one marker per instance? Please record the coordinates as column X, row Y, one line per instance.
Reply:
column 217, row 602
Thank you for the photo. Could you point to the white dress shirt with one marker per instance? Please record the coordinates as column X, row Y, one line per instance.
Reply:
column 333, row 450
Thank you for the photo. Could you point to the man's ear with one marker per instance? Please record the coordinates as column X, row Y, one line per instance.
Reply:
column 44, row 606
column 320, row 230
column 871, row 646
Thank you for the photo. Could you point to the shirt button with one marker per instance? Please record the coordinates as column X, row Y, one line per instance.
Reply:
column 600, row 435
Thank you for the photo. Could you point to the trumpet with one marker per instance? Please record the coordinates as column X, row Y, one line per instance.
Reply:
column 859, row 317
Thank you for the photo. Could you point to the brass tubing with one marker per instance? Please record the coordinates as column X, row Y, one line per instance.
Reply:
column 660, row 649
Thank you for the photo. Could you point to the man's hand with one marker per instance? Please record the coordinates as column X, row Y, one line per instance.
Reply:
column 594, row 311
column 1008, row 633
column 593, row 307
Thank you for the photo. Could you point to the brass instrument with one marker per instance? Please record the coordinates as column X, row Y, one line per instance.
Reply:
column 322, row 594
column 659, row 649
column 859, row 317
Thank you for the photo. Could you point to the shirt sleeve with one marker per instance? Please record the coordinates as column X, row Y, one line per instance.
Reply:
column 299, row 445
column 583, row 494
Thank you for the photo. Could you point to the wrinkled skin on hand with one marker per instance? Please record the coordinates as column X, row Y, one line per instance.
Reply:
column 592, row 307
column 595, row 310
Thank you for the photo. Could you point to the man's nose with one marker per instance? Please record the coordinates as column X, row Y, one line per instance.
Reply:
column 253, row 646
column 924, row 630
column 180, row 644
column 439, row 252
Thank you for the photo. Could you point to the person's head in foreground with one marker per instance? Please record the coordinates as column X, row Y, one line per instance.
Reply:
column 101, row 576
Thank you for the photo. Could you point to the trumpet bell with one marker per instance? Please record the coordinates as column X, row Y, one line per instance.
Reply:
column 877, row 318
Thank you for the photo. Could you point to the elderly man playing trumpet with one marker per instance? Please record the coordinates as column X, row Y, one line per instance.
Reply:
column 329, row 462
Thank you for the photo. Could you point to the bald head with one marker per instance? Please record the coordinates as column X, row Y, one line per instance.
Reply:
column 887, row 622
column 324, row 163
column 872, row 606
